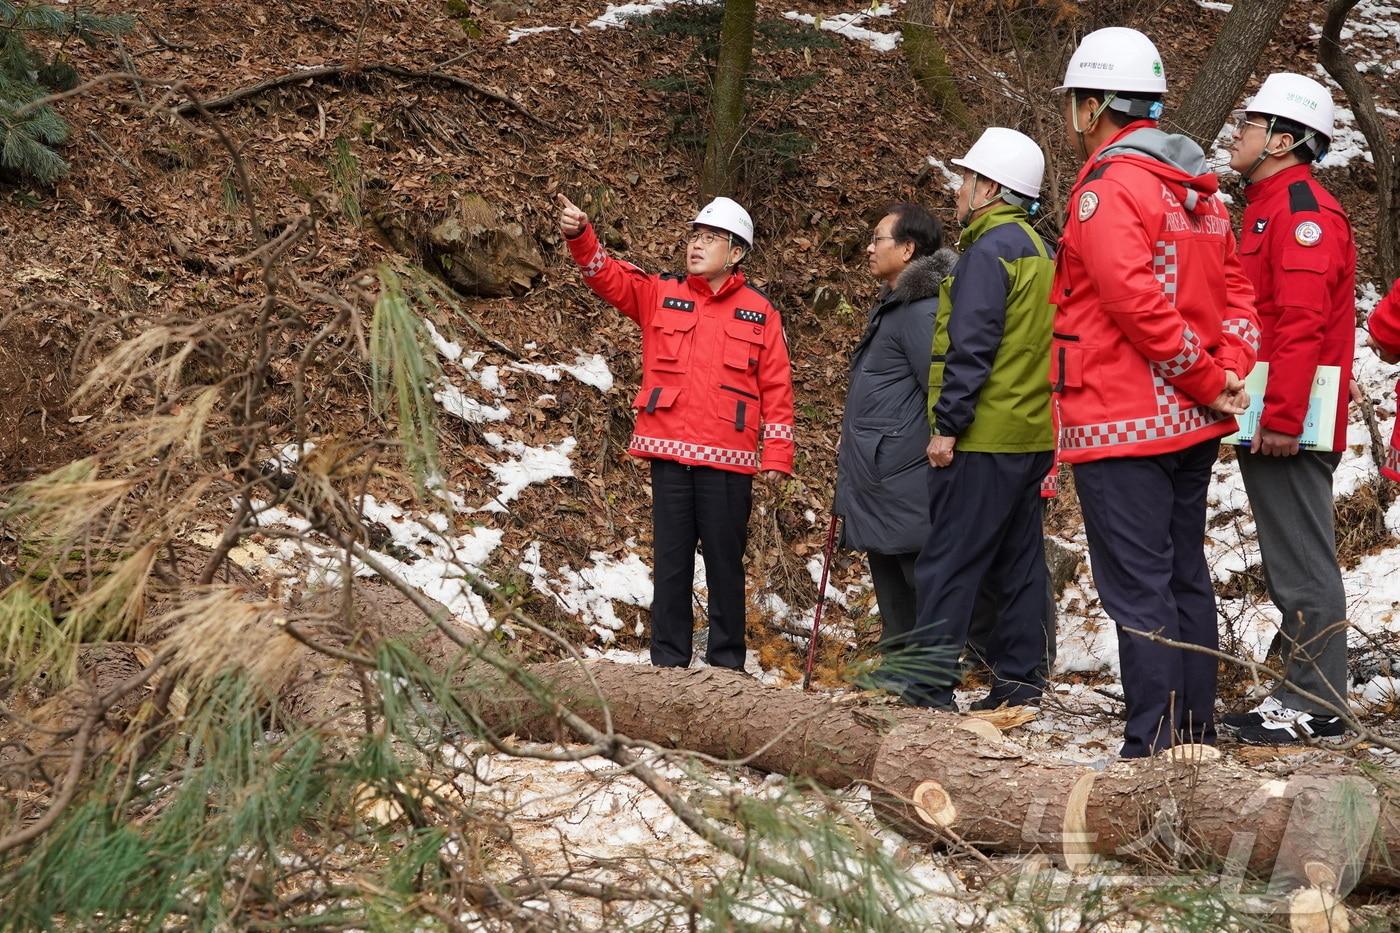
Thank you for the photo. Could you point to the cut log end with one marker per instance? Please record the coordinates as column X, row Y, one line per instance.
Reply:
column 1076, row 842
column 1320, row 875
column 981, row 728
column 1313, row 910
column 1194, row 754
column 934, row 806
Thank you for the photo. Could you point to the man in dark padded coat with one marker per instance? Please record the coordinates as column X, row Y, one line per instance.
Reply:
column 881, row 484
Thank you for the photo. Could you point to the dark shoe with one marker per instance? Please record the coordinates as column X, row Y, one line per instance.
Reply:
column 1285, row 726
column 1252, row 718
column 991, row 701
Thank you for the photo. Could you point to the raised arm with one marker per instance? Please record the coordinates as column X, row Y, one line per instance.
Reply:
column 620, row 284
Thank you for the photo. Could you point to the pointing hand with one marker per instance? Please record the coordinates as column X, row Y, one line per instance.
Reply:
column 572, row 221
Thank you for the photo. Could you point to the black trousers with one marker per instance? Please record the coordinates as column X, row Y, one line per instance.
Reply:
column 983, row 636
column 986, row 512
column 893, row 577
column 690, row 505
column 1145, row 518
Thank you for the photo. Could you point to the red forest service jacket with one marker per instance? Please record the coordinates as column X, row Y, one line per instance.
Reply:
column 716, row 379
column 1297, row 249
column 1152, row 307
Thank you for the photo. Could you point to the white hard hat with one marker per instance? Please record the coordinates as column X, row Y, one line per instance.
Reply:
column 1008, row 158
column 1116, row 59
column 1297, row 98
column 726, row 214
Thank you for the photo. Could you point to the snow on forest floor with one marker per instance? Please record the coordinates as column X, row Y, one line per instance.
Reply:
column 854, row 25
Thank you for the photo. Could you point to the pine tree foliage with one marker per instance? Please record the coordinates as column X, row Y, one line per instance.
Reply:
column 28, row 136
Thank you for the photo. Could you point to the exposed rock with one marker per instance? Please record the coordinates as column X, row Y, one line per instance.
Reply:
column 474, row 249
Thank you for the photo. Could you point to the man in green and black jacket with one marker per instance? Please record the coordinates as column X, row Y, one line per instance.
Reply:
column 992, row 440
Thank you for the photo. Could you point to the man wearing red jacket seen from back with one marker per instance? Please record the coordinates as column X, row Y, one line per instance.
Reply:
column 716, row 386
column 1155, row 331
column 1297, row 249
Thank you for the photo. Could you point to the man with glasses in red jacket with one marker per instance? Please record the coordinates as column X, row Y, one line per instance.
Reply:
column 715, row 407
column 1297, row 248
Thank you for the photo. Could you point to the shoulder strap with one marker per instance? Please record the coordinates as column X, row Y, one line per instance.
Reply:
column 1301, row 198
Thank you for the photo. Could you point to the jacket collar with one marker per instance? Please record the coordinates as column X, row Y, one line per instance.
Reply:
column 1001, row 214
column 700, row 285
column 1093, row 159
column 1259, row 190
column 920, row 279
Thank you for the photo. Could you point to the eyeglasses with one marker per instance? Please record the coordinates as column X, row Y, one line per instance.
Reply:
column 707, row 237
column 1241, row 120
column 876, row 239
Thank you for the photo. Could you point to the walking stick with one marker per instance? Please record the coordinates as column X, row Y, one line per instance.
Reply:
column 821, row 598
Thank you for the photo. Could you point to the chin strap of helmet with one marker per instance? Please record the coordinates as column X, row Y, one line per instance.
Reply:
column 973, row 208
column 1093, row 118
column 1139, row 109
column 1248, row 177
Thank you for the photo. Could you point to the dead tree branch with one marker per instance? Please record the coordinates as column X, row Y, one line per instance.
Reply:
column 337, row 72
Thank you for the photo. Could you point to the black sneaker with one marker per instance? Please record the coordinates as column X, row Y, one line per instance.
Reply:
column 1284, row 726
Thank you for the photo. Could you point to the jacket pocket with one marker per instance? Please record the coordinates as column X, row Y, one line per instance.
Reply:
column 1304, row 259
column 741, row 414
column 655, row 398
column 1066, row 363
column 884, row 450
column 742, row 344
column 671, row 335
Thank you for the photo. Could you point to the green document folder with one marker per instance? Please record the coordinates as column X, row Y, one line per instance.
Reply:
column 1320, row 426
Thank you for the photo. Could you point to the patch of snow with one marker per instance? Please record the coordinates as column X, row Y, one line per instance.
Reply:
column 490, row 379
column 590, row 593
column 952, row 180
column 620, row 15
column 590, row 369
column 848, row 25
column 456, row 402
column 814, row 567
column 521, row 32
column 1086, row 639
column 447, row 349
column 1378, row 691
column 435, row 569
column 531, row 465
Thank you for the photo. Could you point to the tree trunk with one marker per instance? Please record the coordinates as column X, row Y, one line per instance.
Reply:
column 720, row 173
column 1343, row 70
column 938, row 776
column 928, row 62
column 1219, row 83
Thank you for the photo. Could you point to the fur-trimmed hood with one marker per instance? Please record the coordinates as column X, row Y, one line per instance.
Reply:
column 921, row 278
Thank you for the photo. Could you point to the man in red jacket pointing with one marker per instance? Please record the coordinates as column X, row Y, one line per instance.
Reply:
column 1297, row 248
column 1155, row 331
column 716, row 387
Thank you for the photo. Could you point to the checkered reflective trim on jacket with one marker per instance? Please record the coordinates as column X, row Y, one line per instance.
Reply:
column 1176, row 415
column 1244, row 329
column 777, row 431
column 684, row 451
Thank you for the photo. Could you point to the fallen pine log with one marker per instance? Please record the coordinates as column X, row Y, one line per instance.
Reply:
column 937, row 777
